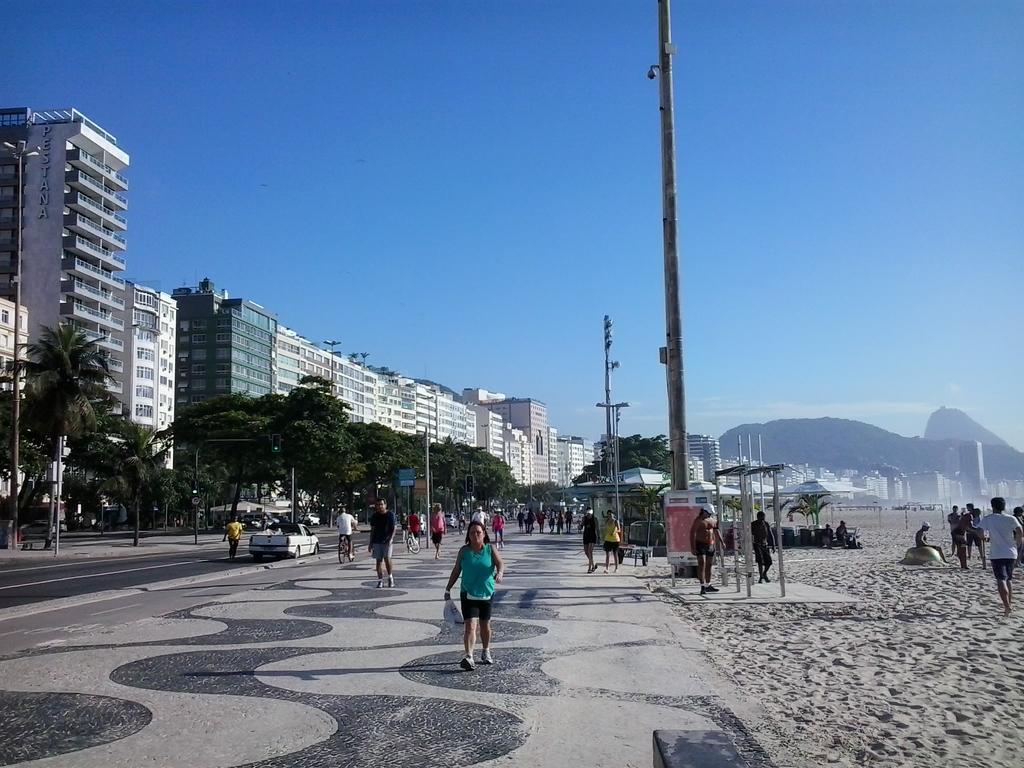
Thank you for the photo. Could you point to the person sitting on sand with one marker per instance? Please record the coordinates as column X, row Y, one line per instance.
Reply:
column 921, row 539
column 841, row 534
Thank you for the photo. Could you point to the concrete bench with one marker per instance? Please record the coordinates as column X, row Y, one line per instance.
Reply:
column 29, row 542
column 695, row 749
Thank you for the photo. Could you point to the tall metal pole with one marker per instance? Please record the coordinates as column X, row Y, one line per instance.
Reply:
column 19, row 153
column 332, row 343
column 426, row 437
column 673, row 351
column 615, row 441
column 294, row 495
column 609, row 366
column 760, row 461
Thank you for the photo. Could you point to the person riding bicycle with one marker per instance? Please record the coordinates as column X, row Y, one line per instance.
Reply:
column 415, row 526
column 347, row 525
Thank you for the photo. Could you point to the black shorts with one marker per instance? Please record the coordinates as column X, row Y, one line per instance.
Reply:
column 704, row 550
column 589, row 540
column 974, row 539
column 611, row 546
column 762, row 555
column 436, row 537
column 1003, row 568
column 475, row 609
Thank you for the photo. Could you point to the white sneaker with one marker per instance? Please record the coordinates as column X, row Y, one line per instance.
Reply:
column 467, row 663
column 486, row 658
column 380, row 583
column 391, row 581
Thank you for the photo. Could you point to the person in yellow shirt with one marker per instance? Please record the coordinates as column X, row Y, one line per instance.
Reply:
column 233, row 534
column 612, row 538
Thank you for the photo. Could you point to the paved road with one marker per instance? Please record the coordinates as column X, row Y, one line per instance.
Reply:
column 33, row 581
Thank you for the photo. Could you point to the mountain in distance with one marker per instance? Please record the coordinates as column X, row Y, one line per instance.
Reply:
column 954, row 424
column 845, row 444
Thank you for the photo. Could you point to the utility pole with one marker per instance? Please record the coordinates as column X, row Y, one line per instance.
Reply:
column 426, row 436
column 609, row 366
column 672, row 352
column 19, row 154
column 332, row 343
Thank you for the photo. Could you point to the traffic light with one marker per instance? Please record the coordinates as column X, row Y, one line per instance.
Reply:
column 469, row 485
column 275, row 443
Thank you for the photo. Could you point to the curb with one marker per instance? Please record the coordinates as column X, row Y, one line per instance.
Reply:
column 45, row 606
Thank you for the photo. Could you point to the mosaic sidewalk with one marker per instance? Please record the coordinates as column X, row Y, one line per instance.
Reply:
column 328, row 671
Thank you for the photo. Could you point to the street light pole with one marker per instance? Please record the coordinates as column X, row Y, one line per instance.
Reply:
column 19, row 154
column 614, row 408
column 332, row 343
column 672, row 352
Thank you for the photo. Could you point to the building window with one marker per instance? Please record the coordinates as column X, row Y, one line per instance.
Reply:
column 144, row 391
column 144, row 354
column 198, row 325
column 198, row 398
column 199, row 369
column 198, row 338
column 223, row 337
column 5, row 317
column 144, row 411
column 144, row 372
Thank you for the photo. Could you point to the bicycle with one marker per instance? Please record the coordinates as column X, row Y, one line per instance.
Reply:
column 412, row 542
column 344, row 548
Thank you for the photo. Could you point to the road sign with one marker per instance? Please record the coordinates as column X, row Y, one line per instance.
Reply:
column 406, row 478
column 196, row 501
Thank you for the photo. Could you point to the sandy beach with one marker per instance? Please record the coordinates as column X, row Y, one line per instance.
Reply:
column 923, row 671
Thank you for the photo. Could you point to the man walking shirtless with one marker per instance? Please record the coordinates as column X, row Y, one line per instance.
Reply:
column 703, row 536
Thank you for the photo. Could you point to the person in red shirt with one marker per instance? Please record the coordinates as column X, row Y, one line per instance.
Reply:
column 437, row 529
column 498, row 526
column 415, row 527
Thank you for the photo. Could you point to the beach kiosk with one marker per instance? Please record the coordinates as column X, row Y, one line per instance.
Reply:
column 681, row 509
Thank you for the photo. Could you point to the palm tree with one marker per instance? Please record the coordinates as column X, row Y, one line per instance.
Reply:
column 810, row 505
column 65, row 377
column 140, row 451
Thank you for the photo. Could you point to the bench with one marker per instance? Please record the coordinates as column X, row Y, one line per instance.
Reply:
column 637, row 552
column 695, row 749
column 29, row 542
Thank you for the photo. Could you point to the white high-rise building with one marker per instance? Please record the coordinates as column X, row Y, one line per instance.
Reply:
column 705, row 448
column 152, row 317
column 518, row 454
column 396, row 402
column 526, row 414
column 574, row 453
column 489, row 429
column 353, row 383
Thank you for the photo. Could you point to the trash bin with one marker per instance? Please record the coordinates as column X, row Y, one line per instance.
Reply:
column 805, row 537
column 788, row 537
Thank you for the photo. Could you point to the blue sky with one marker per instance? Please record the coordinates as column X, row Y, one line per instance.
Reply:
column 464, row 189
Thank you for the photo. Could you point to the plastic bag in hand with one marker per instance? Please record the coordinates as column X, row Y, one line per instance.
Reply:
column 452, row 615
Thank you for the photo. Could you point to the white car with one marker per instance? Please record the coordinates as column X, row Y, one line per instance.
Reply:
column 284, row 540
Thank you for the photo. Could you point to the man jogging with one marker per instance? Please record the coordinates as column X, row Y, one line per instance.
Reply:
column 1005, row 541
column 382, row 534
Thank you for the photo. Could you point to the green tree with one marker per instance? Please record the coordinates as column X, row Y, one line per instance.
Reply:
column 231, row 433
column 379, row 453
column 141, row 452
column 65, row 383
column 810, row 505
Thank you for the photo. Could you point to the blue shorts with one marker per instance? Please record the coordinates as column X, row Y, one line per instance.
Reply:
column 1003, row 568
column 381, row 550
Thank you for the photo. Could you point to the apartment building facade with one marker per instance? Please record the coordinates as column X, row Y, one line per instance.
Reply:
column 574, row 453
column 7, row 340
column 224, row 345
column 151, row 317
column 73, row 227
column 706, row 449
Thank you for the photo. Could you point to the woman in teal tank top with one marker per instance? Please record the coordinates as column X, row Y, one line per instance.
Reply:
column 480, row 566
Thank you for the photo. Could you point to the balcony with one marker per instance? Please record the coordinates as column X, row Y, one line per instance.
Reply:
column 85, row 204
column 115, row 365
column 82, row 159
column 85, row 312
column 115, row 386
column 86, row 183
column 83, row 225
column 81, row 246
column 80, row 286
column 73, row 264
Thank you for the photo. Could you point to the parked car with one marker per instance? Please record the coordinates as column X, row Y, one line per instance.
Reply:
column 311, row 519
column 284, row 540
column 252, row 522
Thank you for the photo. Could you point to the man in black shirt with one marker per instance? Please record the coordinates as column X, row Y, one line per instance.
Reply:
column 763, row 538
column 382, row 533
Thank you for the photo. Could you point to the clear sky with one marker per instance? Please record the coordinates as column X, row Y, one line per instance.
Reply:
column 464, row 189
